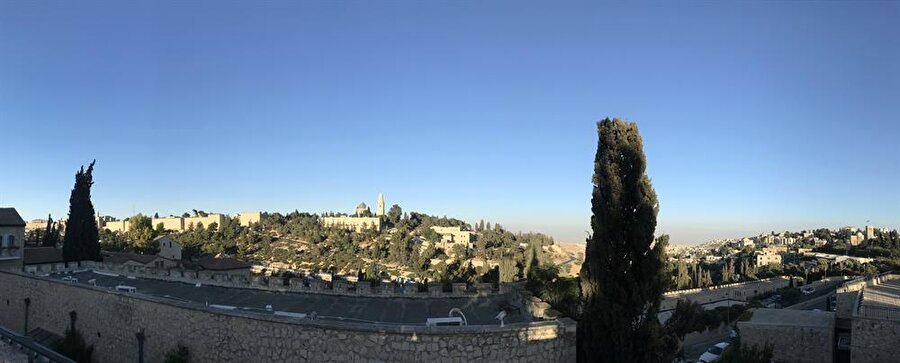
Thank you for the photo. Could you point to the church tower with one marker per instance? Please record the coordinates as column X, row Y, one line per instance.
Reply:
column 380, row 211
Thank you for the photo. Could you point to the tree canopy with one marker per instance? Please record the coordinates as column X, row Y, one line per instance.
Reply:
column 623, row 275
column 81, row 241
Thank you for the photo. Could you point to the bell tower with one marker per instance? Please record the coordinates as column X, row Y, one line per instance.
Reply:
column 380, row 210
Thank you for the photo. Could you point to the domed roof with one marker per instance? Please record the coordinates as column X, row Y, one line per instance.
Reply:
column 362, row 206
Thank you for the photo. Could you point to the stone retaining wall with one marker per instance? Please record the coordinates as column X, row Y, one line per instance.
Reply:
column 111, row 321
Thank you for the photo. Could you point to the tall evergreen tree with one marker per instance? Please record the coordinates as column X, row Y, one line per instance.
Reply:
column 51, row 234
column 623, row 275
column 81, row 241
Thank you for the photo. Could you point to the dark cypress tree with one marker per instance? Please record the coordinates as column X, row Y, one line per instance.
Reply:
column 82, row 240
column 623, row 276
column 51, row 235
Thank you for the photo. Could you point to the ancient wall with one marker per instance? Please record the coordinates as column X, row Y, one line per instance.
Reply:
column 736, row 291
column 111, row 321
column 874, row 340
column 791, row 343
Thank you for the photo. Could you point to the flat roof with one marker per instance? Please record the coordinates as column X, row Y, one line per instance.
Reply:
column 790, row 317
column 360, row 309
column 884, row 295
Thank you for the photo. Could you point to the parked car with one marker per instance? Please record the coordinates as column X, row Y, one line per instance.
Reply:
column 714, row 353
column 808, row 290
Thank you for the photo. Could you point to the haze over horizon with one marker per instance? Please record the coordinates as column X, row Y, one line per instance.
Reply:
column 782, row 118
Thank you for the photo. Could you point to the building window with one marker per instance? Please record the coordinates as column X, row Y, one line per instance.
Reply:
column 10, row 241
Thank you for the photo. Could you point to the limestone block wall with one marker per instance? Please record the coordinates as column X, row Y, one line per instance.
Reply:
column 874, row 340
column 110, row 321
column 791, row 343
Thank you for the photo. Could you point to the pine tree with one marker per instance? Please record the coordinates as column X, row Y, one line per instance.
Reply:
column 81, row 241
column 623, row 275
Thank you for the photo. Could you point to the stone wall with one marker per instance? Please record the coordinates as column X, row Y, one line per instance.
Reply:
column 110, row 321
column 874, row 340
column 737, row 291
column 791, row 343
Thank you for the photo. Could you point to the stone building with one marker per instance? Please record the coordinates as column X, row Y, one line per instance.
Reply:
column 35, row 224
column 247, row 218
column 454, row 235
column 168, row 248
column 380, row 210
column 361, row 219
column 358, row 224
column 204, row 220
column 12, row 239
column 170, row 223
column 765, row 258
column 115, row 226
column 139, row 260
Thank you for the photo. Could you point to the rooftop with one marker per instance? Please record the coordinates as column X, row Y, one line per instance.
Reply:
column 885, row 295
column 122, row 257
column 9, row 217
column 796, row 318
column 221, row 263
column 41, row 255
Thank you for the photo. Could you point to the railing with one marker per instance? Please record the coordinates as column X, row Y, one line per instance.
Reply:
column 35, row 351
column 877, row 312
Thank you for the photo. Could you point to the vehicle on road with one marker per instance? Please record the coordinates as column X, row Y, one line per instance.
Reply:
column 714, row 353
column 808, row 290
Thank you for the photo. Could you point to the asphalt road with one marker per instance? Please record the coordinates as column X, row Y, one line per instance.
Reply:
column 811, row 301
column 406, row 311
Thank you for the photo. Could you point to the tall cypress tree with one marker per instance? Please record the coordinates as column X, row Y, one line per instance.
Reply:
column 623, row 276
column 51, row 235
column 82, row 238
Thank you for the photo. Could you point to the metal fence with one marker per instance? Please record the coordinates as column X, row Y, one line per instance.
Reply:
column 34, row 350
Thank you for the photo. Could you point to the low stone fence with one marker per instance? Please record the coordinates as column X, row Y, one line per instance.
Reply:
column 293, row 284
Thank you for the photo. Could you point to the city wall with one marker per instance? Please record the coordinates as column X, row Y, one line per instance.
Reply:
column 874, row 340
column 116, row 322
column 736, row 291
column 791, row 343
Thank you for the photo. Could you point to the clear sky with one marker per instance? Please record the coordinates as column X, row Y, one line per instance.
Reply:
column 756, row 116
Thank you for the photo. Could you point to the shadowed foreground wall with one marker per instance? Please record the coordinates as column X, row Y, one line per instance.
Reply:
column 111, row 320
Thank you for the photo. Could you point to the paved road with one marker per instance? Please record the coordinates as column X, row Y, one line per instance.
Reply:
column 811, row 301
column 694, row 349
column 407, row 311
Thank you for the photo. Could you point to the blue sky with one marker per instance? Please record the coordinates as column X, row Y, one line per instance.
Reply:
column 755, row 116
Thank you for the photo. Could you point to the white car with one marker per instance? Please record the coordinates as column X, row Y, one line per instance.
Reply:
column 713, row 353
column 808, row 290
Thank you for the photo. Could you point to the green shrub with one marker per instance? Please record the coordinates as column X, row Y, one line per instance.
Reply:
column 180, row 354
column 74, row 347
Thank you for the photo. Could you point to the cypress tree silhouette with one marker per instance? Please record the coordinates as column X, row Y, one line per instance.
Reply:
column 623, row 275
column 81, row 241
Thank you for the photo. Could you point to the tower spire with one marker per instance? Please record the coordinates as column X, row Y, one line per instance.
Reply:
column 380, row 211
